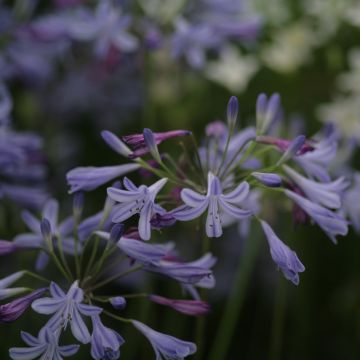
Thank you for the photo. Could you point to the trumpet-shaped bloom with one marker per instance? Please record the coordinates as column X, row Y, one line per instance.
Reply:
column 326, row 194
column 89, row 178
column 166, row 346
column 332, row 223
column 105, row 342
column 139, row 250
column 137, row 200
column 215, row 201
column 67, row 308
column 45, row 346
column 13, row 310
column 5, row 291
column 283, row 256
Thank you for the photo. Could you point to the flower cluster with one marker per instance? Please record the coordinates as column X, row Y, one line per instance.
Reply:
column 222, row 182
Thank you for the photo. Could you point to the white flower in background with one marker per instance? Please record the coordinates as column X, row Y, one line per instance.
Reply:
column 275, row 12
column 350, row 81
column 352, row 14
column 291, row 48
column 162, row 10
column 344, row 112
column 232, row 70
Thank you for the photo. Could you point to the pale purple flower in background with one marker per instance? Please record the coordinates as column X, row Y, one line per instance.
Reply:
column 283, row 256
column 67, row 308
column 90, row 177
column 105, row 342
column 8, row 247
column 187, row 307
column 331, row 223
column 13, row 310
column 164, row 345
column 35, row 240
column 267, row 112
column 215, row 201
column 137, row 200
column 327, row 194
column 45, row 346
column 139, row 146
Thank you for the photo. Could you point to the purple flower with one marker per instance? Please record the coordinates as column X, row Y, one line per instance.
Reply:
column 232, row 111
column 217, row 129
column 326, row 194
column 160, row 221
column 267, row 111
column 294, row 148
column 67, row 308
column 187, row 307
column 118, row 302
column 139, row 250
column 105, row 343
column 332, row 223
column 138, row 144
column 164, row 345
column 35, row 239
column 137, row 200
column 13, row 310
column 194, row 273
column 214, row 201
column 268, row 179
column 46, row 345
column 150, row 141
column 192, row 41
column 90, row 177
column 283, row 256
column 5, row 105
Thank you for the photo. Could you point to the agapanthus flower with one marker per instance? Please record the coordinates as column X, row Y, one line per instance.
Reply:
column 138, row 144
column 45, row 346
column 326, row 194
column 187, row 307
column 5, row 291
column 164, row 345
column 13, row 310
column 139, row 250
column 268, row 179
column 137, row 200
column 332, row 223
column 267, row 112
column 118, row 302
column 67, row 308
column 215, row 201
column 35, row 238
column 89, row 177
column 194, row 273
column 283, row 256
column 105, row 342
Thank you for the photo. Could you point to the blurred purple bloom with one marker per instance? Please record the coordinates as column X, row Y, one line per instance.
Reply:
column 5, row 291
column 332, row 223
column 7, row 247
column 268, row 179
column 294, row 148
column 160, row 221
column 283, row 256
column 187, row 307
column 267, row 112
column 67, row 308
column 232, row 111
column 115, row 143
column 216, row 129
column 164, row 345
column 105, row 342
column 138, row 144
column 137, row 200
column 214, row 201
column 13, row 310
column 326, row 194
column 90, row 177
column 46, row 345
column 150, row 141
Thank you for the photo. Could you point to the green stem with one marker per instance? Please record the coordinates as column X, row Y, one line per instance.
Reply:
column 62, row 256
column 36, row 276
column 235, row 301
column 115, row 277
column 278, row 320
column 108, row 313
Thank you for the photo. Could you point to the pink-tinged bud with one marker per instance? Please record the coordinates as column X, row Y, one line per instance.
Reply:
column 187, row 307
column 13, row 310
